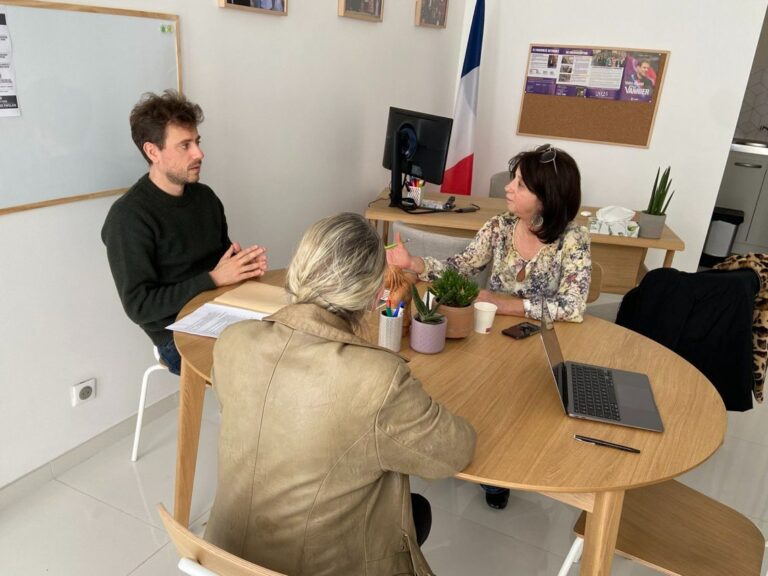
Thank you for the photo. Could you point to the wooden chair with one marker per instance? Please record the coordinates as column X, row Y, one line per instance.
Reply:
column 200, row 558
column 596, row 283
column 498, row 182
column 655, row 531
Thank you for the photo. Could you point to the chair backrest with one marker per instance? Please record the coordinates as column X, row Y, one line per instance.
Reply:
column 198, row 552
column 498, row 182
column 595, row 284
column 423, row 242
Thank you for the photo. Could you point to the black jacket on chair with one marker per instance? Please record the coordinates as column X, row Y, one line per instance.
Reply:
column 705, row 317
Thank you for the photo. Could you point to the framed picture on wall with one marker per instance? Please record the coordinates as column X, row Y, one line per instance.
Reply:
column 372, row 10
column 275, row 7
column 431, row 13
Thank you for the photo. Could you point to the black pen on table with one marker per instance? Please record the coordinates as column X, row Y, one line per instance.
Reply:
column 599, row 442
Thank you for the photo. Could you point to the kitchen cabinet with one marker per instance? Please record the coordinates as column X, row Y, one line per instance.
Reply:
column 745, row 187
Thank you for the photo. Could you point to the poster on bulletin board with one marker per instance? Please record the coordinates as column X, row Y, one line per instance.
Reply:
column 607, row 74
column 592, row 93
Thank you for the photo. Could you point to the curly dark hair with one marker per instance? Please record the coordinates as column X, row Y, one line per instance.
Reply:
column 150, row 117
column 558, row 188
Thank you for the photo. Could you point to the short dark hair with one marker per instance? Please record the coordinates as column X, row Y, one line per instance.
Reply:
column 558, row 188
column 150, row 117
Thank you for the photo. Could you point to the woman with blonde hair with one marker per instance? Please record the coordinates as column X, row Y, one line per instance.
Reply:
column 320, row 429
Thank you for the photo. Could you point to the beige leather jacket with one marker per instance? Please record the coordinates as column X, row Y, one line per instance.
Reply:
column 319, row 432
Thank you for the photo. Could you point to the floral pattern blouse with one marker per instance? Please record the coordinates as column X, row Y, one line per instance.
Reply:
column 560, row 272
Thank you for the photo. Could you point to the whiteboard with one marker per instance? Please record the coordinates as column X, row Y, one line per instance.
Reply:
column 79, row 72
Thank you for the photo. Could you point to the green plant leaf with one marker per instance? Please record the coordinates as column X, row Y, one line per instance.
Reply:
column 426, row 314
column 656, row 204
column 455, row 289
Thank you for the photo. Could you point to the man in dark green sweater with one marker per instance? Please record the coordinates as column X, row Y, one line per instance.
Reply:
column 167, row 237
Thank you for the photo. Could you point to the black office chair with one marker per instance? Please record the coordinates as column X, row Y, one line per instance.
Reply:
column 705, row 317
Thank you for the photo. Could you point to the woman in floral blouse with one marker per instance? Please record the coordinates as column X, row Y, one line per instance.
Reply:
column 535, row 249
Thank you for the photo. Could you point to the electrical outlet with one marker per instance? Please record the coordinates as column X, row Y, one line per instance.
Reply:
column 82, row 392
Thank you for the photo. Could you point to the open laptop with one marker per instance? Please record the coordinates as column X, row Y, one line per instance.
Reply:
column 598, row 393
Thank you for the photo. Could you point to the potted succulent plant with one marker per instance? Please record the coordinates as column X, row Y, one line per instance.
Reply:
column 456, row 293
column 651, row 220
column 427, row 326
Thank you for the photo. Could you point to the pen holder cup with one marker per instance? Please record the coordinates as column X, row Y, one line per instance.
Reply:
column 390, row 331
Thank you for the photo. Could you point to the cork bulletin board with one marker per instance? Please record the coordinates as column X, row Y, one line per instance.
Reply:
column 597, row 94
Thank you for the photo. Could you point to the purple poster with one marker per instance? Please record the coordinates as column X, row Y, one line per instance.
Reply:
column 639, row 81
column 600, row 73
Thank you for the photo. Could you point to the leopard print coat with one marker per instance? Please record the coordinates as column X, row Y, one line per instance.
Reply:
column 758, row 263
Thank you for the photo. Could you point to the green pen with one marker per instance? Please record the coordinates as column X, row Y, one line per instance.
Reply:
column 390, row 246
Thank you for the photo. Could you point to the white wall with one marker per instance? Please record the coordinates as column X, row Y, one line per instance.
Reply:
column 296, row 109
column 712, row 44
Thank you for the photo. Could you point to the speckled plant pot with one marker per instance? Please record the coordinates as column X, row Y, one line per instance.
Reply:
column 428, row 338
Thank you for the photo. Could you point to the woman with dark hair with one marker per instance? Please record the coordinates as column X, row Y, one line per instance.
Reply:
column 534, row 249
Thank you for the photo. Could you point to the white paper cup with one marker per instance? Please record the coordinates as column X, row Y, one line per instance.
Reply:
column 484, row 314
column 390, row 331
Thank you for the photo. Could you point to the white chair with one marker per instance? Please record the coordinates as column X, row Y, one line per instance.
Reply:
column 498, row 182
column 142, row 400
column 425, row 242
column 201, row 558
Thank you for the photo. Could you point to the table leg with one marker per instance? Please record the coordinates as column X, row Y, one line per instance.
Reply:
column 641, row 269
column 668, row 258
column 191, row 397
column 600, row 534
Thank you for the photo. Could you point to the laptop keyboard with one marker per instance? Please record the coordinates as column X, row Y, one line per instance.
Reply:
column 593, row 392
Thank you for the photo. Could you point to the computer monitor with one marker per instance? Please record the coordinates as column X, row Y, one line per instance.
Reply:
column 416, row 145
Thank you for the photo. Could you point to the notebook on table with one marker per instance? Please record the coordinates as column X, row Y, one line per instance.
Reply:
column 596, row 392
column 258, row 296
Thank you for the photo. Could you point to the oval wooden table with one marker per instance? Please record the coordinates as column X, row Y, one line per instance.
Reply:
column 525, row 442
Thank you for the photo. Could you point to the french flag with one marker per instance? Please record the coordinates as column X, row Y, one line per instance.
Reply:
column 461, row 153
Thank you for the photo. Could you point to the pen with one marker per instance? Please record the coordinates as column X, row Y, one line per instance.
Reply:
column 598, row 442
column 390, row 246
column 389, row 308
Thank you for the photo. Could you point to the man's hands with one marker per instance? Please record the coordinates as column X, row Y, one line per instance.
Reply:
column 237, row 265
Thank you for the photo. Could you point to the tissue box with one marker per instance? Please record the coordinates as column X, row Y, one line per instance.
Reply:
column 615, row 221
column 627, row 228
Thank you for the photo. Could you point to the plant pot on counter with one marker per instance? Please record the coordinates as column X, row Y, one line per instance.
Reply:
column 651, row 225
column 428, row 338
column 460, row 320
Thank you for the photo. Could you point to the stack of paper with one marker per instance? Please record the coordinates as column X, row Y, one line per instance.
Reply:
column 250, row 301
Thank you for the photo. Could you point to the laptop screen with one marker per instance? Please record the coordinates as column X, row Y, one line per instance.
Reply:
column 553, row 353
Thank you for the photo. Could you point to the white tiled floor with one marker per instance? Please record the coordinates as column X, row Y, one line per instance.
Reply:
column 98, row 518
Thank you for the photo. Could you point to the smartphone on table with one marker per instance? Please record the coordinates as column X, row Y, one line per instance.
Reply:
column 520, row 331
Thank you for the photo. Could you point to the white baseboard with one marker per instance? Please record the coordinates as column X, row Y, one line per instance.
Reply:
column 35, row 479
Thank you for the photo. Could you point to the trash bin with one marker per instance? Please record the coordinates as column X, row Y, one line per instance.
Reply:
column 722, row 230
